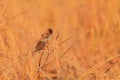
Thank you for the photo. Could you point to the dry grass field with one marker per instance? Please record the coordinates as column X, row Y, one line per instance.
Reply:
column 85, row 44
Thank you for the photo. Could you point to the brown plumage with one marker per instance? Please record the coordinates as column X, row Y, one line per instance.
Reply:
column 43, row 40
column 47, row 34
column 40, row 46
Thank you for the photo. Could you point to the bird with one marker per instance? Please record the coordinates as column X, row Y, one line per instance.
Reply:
column 43, row 40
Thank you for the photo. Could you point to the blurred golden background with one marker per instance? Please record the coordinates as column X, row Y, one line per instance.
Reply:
column 92, row 52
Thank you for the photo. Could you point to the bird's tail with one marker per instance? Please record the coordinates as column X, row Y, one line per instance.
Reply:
column 34, row 52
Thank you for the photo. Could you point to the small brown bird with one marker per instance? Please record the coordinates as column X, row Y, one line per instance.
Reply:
column 43, row 40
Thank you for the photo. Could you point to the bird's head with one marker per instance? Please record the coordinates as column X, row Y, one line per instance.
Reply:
column 50, row 31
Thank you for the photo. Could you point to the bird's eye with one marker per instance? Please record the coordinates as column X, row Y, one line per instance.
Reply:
column 50, row 30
